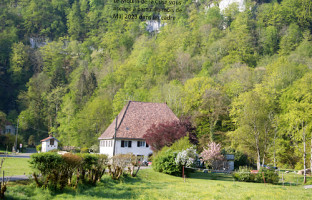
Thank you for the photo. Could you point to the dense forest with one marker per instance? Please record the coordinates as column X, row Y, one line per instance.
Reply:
column 243, row 77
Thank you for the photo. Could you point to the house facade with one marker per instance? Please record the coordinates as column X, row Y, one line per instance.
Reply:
column 125, row 134
column 8, row 129
column 49, row 144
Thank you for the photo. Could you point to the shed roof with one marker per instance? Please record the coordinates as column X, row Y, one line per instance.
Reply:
column 136, row 118
column 49, row 138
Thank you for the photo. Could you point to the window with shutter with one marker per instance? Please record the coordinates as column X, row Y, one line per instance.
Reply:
column 122, row 143
column 129, row 143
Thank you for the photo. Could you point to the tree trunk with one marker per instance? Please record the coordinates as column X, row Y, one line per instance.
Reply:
column 211, row 132
column 311, row 158
column 263, row 160
column 274, row 152
column 304, row 158
column 258, row 155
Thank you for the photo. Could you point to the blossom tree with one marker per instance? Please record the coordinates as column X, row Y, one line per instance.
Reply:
column 186, row 158
column 212, row 155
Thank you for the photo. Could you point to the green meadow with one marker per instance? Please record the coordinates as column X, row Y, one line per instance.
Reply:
column 154, row 185
column 16, row 166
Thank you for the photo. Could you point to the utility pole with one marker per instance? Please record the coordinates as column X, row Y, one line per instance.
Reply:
column 115, row 136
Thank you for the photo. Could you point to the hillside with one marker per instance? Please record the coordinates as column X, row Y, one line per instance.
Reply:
column 243, row 77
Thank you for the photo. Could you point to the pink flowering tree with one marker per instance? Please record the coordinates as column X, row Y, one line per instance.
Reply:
column 212, row 156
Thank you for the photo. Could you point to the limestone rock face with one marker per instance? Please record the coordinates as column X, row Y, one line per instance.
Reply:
column 154, row 25
column 225, row 3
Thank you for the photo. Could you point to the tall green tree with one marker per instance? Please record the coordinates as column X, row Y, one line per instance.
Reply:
column 252, row 114
column 296, row 103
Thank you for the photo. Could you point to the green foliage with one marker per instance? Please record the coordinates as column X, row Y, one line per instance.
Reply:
column 269, row 40
column 86, row 65
column 2, row 119
column 46, row 163
column 181, row 144
column 58, row 171
column 291, row 39
column 244, row 174
column 269, row 176
column 164, row 162
column 7, row 141
column 39, row 147
column 84, row 150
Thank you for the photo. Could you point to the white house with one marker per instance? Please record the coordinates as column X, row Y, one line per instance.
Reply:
column 49, row 144
column 125, row 134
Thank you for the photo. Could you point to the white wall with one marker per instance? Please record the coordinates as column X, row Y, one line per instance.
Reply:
column 145, row 151
column 47, row 147
column 106, row 147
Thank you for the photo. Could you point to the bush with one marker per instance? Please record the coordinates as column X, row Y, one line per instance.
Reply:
column 38, row 147
column 181, row 144
column 244, row 175
column 95, row 148
column 164, row 162
column 84, row 150
column 270, row 176
column 49, row 165
column 58, row 171
column 70, row 166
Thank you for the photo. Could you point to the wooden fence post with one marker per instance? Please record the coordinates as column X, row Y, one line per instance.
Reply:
column 263, row 177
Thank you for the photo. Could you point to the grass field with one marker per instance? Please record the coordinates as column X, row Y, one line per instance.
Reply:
column 16, row 166
column 153, row 185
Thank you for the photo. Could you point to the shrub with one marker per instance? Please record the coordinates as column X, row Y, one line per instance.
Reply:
column 243, row 174
column 270, row 176
column 84, row 150
column 71, row 163
column 164, row 162
column 95, row 148
column 57, row 170
column 38, row 147
column 120, row 162
column 49, row 165
column 92, row 167
column 181, row 144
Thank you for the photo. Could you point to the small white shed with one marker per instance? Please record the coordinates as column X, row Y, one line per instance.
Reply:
column 49, row 144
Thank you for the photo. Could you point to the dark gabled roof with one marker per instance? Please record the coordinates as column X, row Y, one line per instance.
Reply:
column 136, row 118
column 49, row 138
